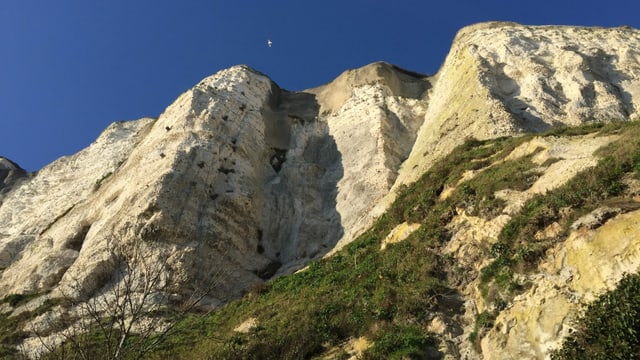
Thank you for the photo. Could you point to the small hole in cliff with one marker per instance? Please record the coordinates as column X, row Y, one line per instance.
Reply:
column 260, row 249
column 75, row 242
column 259, row 235
column 225, row 170
column 269, row 270
column 213, row 196
column 149, row 211
column 243, row 107
column 201, row 164
column 278, row 158
column 296, row 119
column 162, row 155
column 167, row 128
column 225, row 117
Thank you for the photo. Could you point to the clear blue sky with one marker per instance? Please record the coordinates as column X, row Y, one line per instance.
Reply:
column 68, row 68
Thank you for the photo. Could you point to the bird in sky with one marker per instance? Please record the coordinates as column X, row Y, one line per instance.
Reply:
column 269, row 42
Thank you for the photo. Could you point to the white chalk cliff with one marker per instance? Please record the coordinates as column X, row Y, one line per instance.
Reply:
column 240, row 180
column 502, row 79
column 236, row 176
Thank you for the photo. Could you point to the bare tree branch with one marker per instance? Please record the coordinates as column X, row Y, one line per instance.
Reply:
column 126, row 318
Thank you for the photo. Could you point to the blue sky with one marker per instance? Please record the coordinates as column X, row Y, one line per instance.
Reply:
column 69, row 68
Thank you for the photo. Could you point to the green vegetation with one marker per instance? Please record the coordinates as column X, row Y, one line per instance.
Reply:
column 518, row 251
column 99, row 182
column 357, row 292
column 18, row 299
column 386, row 296
column 484, row 321
column 609, row 328
column 390, row 296
column 11, row 333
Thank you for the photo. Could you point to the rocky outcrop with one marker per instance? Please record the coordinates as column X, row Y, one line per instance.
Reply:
column 374, row 114
column 588, row 263
column 472, row 235
column 10, row 174
column 46, row 219
column 238, row 180
column 504, row 79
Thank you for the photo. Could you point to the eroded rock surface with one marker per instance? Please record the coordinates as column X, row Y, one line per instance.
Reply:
column 374, row 114
column 588, row 263
column 539, row 319
column 238, row 180
column 503, row 79
column 10, row 174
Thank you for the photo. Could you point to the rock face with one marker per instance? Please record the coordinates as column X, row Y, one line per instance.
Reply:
column 503, row 79
column 374, row 114
column 538, row 319
column 10, row 173
column 239, row 180
column 575, row 272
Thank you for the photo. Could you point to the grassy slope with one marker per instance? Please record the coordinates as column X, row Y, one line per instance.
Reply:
column 386, row 296
column 389, row 296
column 610, row 327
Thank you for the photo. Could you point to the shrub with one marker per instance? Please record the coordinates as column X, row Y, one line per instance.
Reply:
column 610, row 326
column 516, row 252
column 401, row 342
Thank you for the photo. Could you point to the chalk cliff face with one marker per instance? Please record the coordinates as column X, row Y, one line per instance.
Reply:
column 237, row 176
column 10, row 173
column 502, row 79
column 240, row 180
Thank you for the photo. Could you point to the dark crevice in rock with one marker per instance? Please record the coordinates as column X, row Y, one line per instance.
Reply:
column 278, row 158
column 269, row 270
column 76, row 241
column 225, row 171
column 57, row 218
column 11, row 174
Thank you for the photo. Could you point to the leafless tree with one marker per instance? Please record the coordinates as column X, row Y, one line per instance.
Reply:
column 127, row 318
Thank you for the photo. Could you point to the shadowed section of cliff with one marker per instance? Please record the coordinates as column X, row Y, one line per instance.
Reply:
column 374, row 114
column 301, row 220
column 10, row 174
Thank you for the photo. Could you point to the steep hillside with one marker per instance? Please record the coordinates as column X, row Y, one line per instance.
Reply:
column 503, row 79
column 238, row 180
column 482, row 275
column 468, row 226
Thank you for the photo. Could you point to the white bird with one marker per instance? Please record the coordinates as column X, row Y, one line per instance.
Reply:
column 269, row 42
